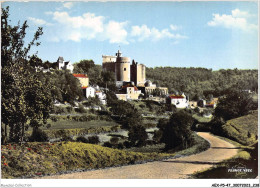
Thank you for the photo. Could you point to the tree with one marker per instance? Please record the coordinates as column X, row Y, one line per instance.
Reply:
column 88, row 67
column 26, row 101
column 65, row 87
column 83, row 66
column 177, row 133
column 108, row 80
column 137, row 135
column 126, row 113
column 234, row 103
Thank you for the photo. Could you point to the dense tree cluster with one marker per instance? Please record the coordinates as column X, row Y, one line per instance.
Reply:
column 65, row 87
column 201, row 82
column 235, row 103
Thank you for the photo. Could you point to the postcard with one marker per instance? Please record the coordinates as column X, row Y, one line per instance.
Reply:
column 129, row 93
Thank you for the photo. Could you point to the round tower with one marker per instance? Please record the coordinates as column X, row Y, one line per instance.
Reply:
column 122, row 68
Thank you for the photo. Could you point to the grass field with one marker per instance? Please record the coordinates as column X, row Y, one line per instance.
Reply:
column 37, row 159
column 70, row 124
column 243, row 129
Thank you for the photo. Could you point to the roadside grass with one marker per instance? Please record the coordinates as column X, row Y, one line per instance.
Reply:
column 200, row 145
column 148, row 148
column 40, row 159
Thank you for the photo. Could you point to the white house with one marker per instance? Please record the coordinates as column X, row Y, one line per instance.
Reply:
column 90, row 92
column 64, row 65
column 180, row 101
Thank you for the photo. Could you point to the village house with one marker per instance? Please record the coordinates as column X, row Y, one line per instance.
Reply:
column 193, row 104
column 60, row 64
column 83, row 79
column 128, row 92
column 180, row 101
column 201, row 103
column 64, row 65
column 90, row 92
column 212, row 103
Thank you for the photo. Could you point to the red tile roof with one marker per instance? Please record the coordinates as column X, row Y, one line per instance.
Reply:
column 80, row 75
column 176, row 96
column 129, row 85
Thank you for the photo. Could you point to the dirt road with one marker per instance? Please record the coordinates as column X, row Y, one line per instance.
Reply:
column 171, row 168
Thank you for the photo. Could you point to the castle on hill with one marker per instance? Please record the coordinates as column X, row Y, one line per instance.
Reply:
column 130, row 78
column 124, row 70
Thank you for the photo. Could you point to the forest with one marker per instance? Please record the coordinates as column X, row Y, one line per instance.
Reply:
column 202, row 82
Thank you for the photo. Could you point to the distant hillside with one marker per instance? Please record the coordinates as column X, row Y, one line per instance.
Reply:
column 243, row 129
column 201, row 81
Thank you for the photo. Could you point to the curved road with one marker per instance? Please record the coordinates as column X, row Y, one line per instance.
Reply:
column 171, row 168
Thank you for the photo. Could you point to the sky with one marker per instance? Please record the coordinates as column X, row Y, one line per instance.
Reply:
column 214, row 35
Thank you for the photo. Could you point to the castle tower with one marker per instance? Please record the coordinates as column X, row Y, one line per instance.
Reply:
column 138, row 73
column 122, row 68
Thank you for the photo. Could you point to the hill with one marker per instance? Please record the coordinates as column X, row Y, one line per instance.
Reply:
column 199, row 82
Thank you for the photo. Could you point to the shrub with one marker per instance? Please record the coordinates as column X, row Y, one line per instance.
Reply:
column 114, row 140
column 38, row 135
column 63, row 135
column 197, row 110
column 127, row 144
column 54, row 119
column 120, row 146
column 82, row 139
column 48, row 126
column 157, row 136
column 107, row 144
column 93, row 140
column 83, row 118
column 59, row 110
column 69, row 117
column 142, row 106
column 216, row 126
column 70, row 109
column 81, row 109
